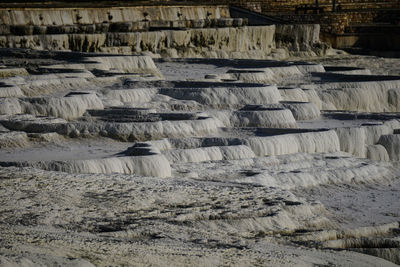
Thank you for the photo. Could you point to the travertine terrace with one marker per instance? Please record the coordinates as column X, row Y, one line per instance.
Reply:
column 208, row 152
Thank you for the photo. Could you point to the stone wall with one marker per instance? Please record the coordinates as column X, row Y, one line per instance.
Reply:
column 285, row 6
column 338, row 23
column 380, row 39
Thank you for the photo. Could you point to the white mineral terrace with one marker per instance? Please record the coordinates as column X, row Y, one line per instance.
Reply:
column 110, row 160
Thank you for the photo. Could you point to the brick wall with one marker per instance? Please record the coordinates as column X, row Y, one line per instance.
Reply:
column 352, row 12
column 338, row 23
column 282, row 6
column 250, row 5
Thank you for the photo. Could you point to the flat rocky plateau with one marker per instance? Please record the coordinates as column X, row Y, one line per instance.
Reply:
column 123, row 160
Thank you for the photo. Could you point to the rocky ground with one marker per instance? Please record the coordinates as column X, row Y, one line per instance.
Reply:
column 129, row 161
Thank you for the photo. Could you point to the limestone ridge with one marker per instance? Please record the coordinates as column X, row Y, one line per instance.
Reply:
column 173, row 31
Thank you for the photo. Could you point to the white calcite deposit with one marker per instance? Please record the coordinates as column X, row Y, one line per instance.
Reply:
column 302, row 110
column 268, row 117
column 336, row 171
column 8, row 90
column 225, row 95
column 137, row 95
column 121, row 160
column 209, row 154
column 71, row 106
column 10, row 106
column 151, row 165
column 264, row 75
column 127, row 64
column 309, row 142
column 372, row 96
column 13, row 139
column 392, row 144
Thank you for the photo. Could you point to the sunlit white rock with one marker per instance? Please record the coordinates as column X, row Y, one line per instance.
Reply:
column 209, row 153
column 72, row 106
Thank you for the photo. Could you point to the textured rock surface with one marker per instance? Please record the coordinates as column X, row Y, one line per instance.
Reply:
column 129, row 160
column 68, row 16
